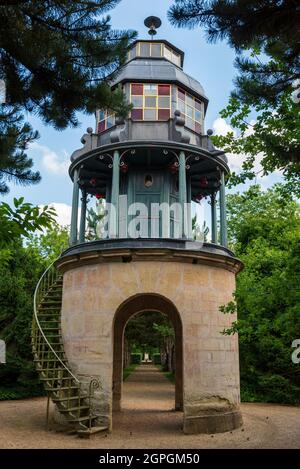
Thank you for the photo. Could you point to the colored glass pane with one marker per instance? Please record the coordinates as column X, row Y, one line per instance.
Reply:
column 137, row 89
column 101, row 126
column 198, row 104
column 164, row 102
column 137, row 101
column 181, row 94
column 150, row 89
column 110, row 121
column 137, row 114
column 150, row 101
column 145, row 49
column 163, row 114
column 189, row 111
column 150, row 114
column 155, row 50
column 164, row 90
column 198, row 115
column 181, row 106
column 198, row 128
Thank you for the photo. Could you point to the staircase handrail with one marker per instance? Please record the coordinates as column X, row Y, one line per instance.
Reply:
column 36, row 319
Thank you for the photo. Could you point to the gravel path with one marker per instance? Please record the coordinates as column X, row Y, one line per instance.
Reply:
column 148, row 421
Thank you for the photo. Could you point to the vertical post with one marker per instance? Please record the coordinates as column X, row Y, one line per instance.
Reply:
column 213, row 204
column 48, row 409
column 115, row 191
column 74, row 216
column 223, row 221
column 182, row 191
column 82, row 217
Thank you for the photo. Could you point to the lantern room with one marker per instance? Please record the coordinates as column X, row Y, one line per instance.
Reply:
column 159, row 156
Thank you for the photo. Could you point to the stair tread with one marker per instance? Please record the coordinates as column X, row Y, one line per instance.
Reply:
column 72, row 398
column 72, row 409
column 82, row 419
column 90, row 431
column 61, row 388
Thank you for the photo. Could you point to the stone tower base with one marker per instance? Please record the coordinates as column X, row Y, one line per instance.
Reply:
column 106, row 284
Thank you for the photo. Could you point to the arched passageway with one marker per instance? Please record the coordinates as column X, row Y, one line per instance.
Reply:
column 132, row 306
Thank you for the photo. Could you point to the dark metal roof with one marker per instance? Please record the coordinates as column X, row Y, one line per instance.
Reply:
column 158, row 70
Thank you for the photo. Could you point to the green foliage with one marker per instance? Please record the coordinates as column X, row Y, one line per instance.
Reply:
column 19, row 274
column 136, row 358
column 156, row 358
column 267, row 59
column 21, row 220
column 199, row 234
column 145, row 331
column 275, row 136
column 94, row 218
column 18, row 279
column 52, row 242
column 264, row 231
column 15, row 135
column 57, row 58
column 127, row 371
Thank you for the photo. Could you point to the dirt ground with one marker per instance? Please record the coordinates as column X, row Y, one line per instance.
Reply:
column 148, row 421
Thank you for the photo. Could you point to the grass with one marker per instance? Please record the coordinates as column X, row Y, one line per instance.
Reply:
column 19, row 393
column 168, row 374
column 127, row 371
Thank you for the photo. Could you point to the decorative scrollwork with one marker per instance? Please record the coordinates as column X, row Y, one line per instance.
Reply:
column 94, row 384
column 195, row 158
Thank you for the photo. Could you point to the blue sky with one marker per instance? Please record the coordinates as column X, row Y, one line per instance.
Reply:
column 211, row 64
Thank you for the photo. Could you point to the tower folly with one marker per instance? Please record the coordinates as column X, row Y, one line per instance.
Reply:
column 151, row 168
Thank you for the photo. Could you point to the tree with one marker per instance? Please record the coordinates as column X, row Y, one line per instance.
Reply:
column 15, row 135
column 57, row 58
column 95, row 221
column 151, row 331
column 18, row 278
column 264, row 231
column 21, row 221
column 265, row 36
column 51, row 243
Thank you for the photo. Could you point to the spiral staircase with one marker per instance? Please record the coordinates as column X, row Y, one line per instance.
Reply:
column 61, row 385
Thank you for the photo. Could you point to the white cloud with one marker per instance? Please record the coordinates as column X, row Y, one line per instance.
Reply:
column 63, row 212
column 221, row 127
column 51, row 161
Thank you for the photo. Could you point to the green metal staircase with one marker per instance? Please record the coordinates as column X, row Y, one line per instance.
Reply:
column 62, row 386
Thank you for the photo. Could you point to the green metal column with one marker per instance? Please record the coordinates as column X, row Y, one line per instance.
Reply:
column 74, row 216
column 223, row 220
column 116, row 189
column 213, row 204
column 182, row 190
column 82, row 217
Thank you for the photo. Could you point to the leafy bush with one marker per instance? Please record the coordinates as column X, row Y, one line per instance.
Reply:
column 156, row 358
column 136, row 358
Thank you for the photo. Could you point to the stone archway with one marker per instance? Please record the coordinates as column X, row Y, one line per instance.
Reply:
column 132, row 306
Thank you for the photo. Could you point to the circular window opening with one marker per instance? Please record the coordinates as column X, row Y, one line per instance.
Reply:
column 148, row 180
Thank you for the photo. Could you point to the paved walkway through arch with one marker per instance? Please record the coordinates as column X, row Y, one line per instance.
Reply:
column 147, row 389
column 148, row 422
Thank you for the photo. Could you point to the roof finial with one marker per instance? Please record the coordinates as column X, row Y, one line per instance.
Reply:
column 152, row 22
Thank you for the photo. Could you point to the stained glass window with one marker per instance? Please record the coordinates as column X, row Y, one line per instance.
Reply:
column 154, row 49
column 192, row 110
column 150, row 101
column 105, row 121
